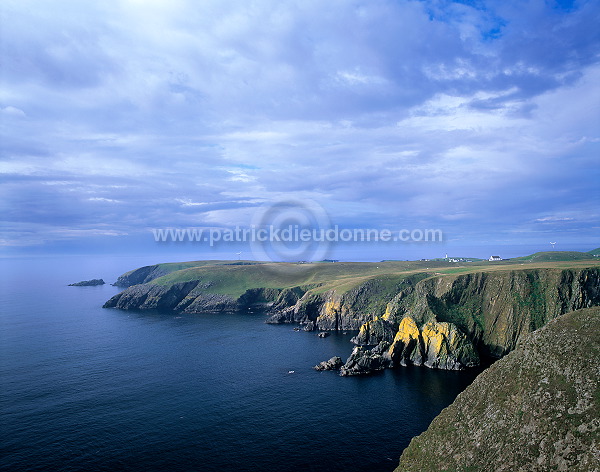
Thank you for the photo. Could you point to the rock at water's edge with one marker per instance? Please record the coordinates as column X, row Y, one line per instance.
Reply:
column 88, row 283
column 446, row 347
column 407, row 346
column 439, row 345
column 375, row 331
column 332, row 364
column 366, row 361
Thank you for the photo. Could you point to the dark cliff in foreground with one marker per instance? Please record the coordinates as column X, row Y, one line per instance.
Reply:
column 537, row 409
column 435, row 319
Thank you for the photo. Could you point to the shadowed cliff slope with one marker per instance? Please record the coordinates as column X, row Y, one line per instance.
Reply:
column 537, row 409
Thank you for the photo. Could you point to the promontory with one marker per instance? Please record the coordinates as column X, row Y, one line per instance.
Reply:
column 439, row 314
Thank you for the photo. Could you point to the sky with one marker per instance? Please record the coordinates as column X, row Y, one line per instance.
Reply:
column 478, row 118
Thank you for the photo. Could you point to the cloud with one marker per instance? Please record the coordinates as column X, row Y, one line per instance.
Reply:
column 552, row 219
column 12, row 111
column 479, row 117
column 102, row 199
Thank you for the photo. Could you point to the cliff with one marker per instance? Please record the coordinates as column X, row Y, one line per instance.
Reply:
column 188, row 297
column 494, row 309
column 437, row 345
column 447, row 321
column 536, row 409
column 431, row 318
column 149, row 273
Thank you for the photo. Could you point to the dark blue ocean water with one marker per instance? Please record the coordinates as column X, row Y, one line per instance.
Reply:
column 84, row 388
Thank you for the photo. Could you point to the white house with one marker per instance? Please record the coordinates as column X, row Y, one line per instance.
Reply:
column 494, row 258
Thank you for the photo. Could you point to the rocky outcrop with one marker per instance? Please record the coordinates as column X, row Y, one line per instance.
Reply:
column 364, row 361
column 325, row 311
column 446, row 347
column 374, row 331
column 407, row 347
column 208, row 302
column 446, row 322
column 141, row 276
column 88, row 283
column 341, row 310
column 188, row 297
column 295, row 306
column 265, row 297
column 332, row 364
column 439, row 345
column 154, row 296
column 536, row 409
column 348, row 310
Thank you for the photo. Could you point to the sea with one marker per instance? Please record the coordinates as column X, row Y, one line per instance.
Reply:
column 84, row 388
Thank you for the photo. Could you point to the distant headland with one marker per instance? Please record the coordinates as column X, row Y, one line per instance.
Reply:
column 88, row 283
column 445, row 313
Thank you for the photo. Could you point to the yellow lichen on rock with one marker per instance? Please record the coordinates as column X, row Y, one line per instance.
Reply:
column 406, row 346
column 331, row 308
column 329, row 315
column 435, row 335
column 365, row 330
column 436, row 344
column 407, row 330
column 390, row 312
column 446, row 347
column 374, row 331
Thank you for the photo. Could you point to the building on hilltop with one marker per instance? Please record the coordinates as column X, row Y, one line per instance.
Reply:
column 494, row 258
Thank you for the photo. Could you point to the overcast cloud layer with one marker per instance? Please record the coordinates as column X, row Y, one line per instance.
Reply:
column 481, row 118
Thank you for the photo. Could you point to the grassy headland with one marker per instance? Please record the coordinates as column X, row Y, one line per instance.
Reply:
column 234, row 278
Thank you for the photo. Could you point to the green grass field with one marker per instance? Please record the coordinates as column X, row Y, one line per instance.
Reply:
column 557, row 256
column 235, row 277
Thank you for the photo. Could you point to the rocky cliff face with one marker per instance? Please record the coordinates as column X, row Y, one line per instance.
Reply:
column 537, row 409
column 407, row 347
column 494, row 309
column 442, row 321
column 140, row 276
column 437, row 345
column 446, row 322
column 347, row 310
column 327, row 311
column 188, row 297
column 365, row 361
